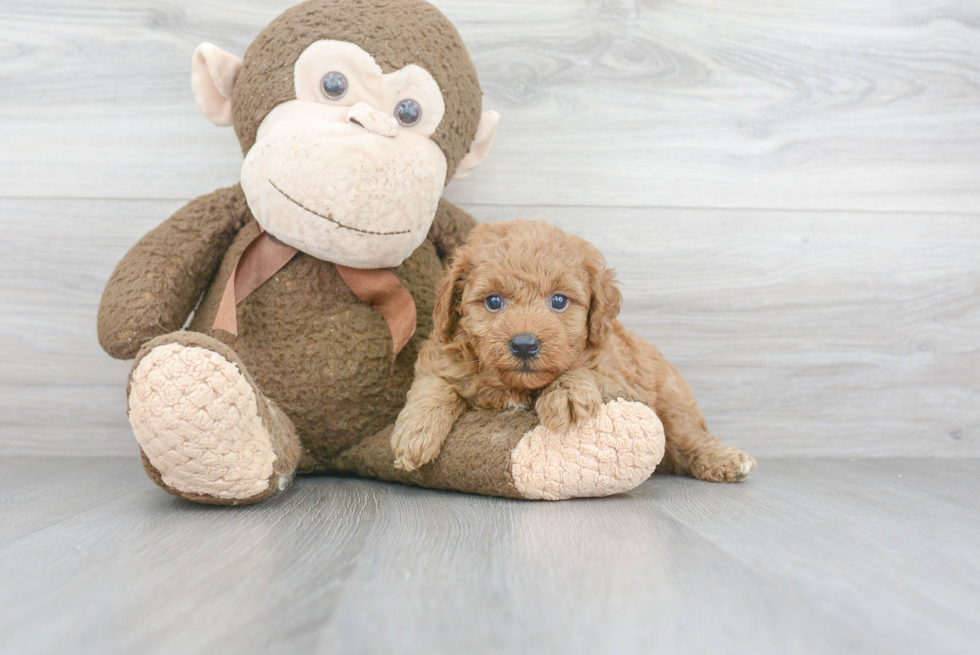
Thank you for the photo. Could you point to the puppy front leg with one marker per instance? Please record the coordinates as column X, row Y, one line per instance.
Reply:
column 424, row 423
column 616, row 388
column 574, row 397
column 690, row 448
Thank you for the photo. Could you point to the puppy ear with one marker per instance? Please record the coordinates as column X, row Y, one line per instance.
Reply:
column 606, row 298
column 448, row 297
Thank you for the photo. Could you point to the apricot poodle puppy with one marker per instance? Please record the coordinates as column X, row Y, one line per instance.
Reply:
column 526, row 316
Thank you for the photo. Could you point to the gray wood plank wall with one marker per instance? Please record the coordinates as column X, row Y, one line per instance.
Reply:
column 790, row 191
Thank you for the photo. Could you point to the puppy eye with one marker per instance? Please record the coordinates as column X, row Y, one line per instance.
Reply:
column 334, row 85
column 559, row 303
column 408, row 112
column 494, row 303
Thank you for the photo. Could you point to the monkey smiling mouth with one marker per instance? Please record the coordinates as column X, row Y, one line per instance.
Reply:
column 331, row 218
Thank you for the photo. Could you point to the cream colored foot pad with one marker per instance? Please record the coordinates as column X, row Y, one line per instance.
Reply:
column 196, row 418
column 614, row 452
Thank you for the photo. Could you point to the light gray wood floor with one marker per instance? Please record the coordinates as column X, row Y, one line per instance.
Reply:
column 808, row 556
column 789, row 192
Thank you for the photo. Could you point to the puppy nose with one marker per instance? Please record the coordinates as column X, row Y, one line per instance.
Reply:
column 525, row 346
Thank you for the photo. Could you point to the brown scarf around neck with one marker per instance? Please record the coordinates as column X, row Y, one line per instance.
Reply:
column 266, row 255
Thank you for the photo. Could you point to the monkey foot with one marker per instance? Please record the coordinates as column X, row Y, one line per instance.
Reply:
column 611, row 453
column 206, row 433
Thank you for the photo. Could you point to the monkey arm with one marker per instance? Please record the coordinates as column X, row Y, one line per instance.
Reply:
column 449, row 229
column 476, row 457
column 161, row 279
column 504, row 453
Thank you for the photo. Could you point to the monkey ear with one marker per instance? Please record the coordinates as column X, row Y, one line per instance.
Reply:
column 213, row 75
column 480, row 147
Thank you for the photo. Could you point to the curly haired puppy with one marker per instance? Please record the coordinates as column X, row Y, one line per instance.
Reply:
column 527, row 316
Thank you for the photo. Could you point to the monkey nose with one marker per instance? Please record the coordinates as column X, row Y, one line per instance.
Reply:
column 525, row 346
column 372, row 120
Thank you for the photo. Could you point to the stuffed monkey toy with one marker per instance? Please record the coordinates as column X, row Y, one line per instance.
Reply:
column 312, row 281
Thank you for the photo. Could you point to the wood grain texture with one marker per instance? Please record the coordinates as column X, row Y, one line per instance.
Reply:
column 808, row 556
column 841, row 318
column 802, row 333
column 695, row 103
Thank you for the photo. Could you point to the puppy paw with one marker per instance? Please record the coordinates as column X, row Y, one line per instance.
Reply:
column 415, row 445
column 571, row 399
column 729, row 465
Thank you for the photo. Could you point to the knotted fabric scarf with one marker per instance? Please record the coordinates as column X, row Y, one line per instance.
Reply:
column 266, row 255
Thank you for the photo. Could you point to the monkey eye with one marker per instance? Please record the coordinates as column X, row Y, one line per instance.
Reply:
column 494, row 302
column 559, row 303
column 334, row 85
column 408, row 112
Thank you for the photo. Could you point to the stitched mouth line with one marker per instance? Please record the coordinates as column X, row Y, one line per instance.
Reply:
column 331, row 218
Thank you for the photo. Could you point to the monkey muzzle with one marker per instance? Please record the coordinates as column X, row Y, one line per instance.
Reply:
column 343, row 184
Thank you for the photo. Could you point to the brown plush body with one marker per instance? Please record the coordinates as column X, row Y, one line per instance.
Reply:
column 353, row 115
column 527, row 317
column 304, row 325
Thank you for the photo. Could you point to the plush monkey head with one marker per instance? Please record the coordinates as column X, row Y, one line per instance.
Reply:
column 353, row 115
